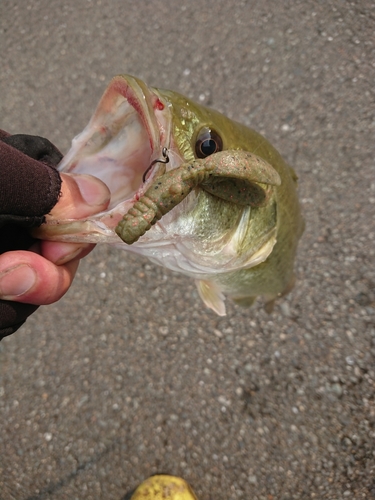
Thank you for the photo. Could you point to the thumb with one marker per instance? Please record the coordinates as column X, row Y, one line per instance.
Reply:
column 81, row 195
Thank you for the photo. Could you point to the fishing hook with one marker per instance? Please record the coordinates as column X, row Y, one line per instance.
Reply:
column 164, row 152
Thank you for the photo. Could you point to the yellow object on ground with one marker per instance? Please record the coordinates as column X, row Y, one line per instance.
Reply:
column 164, row 488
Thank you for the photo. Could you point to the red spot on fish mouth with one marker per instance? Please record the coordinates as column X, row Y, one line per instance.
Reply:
column 158, row 105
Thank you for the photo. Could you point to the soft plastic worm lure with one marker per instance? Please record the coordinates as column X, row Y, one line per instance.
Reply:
column 236, row 176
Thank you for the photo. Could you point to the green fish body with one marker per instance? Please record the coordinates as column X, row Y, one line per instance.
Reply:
column 192, row 190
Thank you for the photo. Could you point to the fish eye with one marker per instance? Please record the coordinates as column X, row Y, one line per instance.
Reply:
column 208, row 142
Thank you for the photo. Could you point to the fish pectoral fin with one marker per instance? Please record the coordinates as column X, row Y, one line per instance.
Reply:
column 212, row 296
column 244, row 301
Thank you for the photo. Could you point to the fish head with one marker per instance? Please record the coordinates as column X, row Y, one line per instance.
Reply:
column 139, row 135
column 131, row 127
column 123, row 145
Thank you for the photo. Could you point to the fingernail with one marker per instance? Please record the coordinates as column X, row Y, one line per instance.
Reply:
column 67, row 254
column 93, row 190
column 16, row 281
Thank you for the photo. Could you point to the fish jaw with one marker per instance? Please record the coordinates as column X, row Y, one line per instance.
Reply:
column 120, row 139
column 127, row 132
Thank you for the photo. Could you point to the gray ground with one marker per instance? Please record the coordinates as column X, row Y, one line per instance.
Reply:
column 129, row 374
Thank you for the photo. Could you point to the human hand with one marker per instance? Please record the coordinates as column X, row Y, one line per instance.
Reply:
column 43, row 274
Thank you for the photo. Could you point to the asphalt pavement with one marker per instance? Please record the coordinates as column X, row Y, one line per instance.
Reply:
column 129, row 374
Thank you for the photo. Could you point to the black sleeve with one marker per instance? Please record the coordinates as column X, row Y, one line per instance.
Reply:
column 29, row 189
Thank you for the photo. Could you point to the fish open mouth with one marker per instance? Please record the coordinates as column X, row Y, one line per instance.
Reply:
column 126, row 134
column 126, row 145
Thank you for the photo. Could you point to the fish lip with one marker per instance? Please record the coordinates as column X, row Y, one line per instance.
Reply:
column 141, row 98
column 154, row 119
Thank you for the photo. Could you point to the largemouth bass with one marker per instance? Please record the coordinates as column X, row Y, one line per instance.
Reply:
column 191, row 190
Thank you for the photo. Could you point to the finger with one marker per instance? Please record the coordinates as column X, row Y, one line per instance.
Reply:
column 81, row 195
column 61, row 253
column 30, row 278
